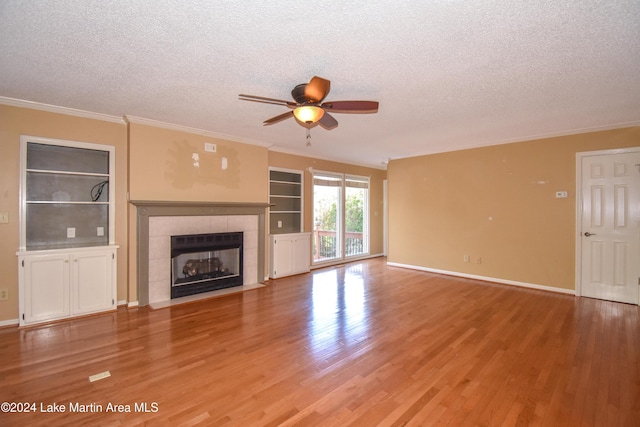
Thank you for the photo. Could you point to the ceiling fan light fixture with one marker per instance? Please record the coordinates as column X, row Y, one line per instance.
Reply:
column 308, row 113
column 309, row 108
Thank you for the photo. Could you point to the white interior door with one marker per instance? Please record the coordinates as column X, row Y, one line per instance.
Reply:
column 610, row 225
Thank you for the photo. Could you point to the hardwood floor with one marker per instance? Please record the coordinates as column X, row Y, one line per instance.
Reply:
column 362, row 344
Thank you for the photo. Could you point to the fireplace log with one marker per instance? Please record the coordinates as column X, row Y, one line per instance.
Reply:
column 196, row 267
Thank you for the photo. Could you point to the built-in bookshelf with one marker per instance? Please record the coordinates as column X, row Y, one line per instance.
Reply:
column 285, row 198
column 67, row 257
column 66, row 194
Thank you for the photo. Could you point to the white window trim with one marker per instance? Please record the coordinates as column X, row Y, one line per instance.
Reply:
column 342, row 229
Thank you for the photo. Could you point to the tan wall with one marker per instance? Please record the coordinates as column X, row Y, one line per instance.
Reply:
column 162, row 168
column 497, row 203
column 21, row 121
column 153, row 163
column 377, row 176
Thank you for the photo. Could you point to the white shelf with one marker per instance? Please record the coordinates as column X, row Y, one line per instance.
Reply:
column 59, row 202
column 284, row 182
column 56, row 172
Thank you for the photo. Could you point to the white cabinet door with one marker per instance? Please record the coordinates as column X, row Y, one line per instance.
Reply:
column 92, row 282
column 289, row 254
column 60, row 284
column 282, row 264
column 301, row 253
column 45, row 288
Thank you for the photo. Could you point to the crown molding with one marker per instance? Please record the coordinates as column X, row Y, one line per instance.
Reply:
column 293, row 152
column 127, row 119
column 534, row 137
column 164, row 125
column 21, row 103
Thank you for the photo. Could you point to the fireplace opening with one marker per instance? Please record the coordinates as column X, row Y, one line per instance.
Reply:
column 205, row 262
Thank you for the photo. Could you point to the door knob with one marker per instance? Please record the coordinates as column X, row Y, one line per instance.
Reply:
column 589, row 234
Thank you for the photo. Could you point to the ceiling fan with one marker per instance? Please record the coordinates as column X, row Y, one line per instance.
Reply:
column 308, row 108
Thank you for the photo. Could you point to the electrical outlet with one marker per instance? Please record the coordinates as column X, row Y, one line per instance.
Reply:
column 279, row 224
column 208, row 146
column 71, row 232
column 479, row 260
column 4, row 294
column 100, row 231
column 466, row 258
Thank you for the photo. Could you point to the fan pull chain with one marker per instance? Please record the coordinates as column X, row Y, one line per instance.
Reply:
column 308, row 137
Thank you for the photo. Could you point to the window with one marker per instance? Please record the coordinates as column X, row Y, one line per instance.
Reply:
column 340, row 216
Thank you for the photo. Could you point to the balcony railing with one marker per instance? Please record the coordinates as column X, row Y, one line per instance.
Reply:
column 325, row 244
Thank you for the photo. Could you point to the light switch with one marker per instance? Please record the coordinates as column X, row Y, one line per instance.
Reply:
column 279, row 224
column 4, row 217
column 561, row 194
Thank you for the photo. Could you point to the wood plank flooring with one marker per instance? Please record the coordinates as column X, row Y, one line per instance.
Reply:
column 363, row 344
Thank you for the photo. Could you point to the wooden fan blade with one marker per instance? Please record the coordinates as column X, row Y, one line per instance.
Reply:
column 290, row 104
column 264, row 99
column 278, row 118
column 353, row 107
column 328, row 122
column 317, row 89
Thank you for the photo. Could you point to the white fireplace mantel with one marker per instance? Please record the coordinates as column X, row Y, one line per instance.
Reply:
column 157, row 218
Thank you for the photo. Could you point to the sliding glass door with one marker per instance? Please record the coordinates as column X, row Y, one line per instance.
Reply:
column 341, row 216
column 327, row 209
column 356, row 218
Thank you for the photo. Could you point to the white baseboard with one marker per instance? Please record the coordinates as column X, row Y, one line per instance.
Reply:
column 485, row 279
column 10, row 322
column 132, row 304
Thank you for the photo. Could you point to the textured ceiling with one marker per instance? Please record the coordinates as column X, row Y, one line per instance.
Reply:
column 448, row 74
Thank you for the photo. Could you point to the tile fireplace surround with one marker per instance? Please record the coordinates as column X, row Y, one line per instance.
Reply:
column 158, row 221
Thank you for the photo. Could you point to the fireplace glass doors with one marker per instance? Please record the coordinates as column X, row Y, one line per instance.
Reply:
column 205, row 262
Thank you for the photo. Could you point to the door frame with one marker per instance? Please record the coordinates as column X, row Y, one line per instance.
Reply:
column 578, row 190
column 385, row 218
column 342, row 224
column 339, row 216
